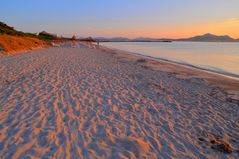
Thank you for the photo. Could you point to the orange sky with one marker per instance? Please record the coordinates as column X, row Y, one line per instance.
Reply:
column 126, row 18
column 227, row 27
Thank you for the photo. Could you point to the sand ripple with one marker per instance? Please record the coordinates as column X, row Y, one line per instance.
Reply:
column 83, row 103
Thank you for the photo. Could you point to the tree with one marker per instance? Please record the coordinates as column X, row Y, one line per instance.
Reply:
column 73, row 37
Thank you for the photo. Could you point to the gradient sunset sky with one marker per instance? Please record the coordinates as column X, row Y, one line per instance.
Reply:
column 125, row 18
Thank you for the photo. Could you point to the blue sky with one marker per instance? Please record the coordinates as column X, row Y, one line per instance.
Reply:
column 129, row 18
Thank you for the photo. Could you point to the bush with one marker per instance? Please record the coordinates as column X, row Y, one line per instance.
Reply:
column 73, row 37
column 47, row 36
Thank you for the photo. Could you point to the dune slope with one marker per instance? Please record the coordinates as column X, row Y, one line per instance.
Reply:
column 14, row 44
column 85, row 103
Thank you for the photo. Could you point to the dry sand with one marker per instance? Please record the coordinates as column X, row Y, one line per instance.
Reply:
column 75, row 102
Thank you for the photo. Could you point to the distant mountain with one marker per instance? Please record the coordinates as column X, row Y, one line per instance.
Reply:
column 150, row 40
column 122, row 39
column 115, row 39
column 201, row 38
column 142, row 39
column 209, row 38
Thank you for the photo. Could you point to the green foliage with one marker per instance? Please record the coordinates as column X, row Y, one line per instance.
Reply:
column 89, row 39
column 5, row 29
column 73, row 37
column 47, row 36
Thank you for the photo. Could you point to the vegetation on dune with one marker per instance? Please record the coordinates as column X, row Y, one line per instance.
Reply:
column 89, row 39
column 5, row 29
column 73, row 37
column 8, row 30
column 47, row 36
column 12, row 40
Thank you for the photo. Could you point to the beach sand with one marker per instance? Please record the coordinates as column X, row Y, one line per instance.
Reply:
column 72, row 101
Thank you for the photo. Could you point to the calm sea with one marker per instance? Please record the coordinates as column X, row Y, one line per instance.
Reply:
column 217, row 57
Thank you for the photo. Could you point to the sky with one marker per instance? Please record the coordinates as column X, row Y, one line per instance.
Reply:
column 123, row 18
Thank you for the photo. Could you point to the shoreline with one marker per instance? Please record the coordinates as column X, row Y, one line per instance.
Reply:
column 224, row 74
column 228, row 83
column 216, row 70
column 84, row 101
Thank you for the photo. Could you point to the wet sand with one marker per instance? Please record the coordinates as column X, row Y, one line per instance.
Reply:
column 72, row 101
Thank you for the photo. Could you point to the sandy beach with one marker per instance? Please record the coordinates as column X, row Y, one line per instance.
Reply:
column 76, row 101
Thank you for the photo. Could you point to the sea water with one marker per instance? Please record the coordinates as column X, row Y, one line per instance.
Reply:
column 219, row 57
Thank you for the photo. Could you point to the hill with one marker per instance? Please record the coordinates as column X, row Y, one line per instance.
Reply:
column 200, row 38
column 12, row 40
column 115, row 39
column 8, row 30
column 122, row 39
column 209, row 38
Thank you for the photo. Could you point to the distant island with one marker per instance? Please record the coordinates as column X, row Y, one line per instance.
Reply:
column 200, row 38
column 210, row 38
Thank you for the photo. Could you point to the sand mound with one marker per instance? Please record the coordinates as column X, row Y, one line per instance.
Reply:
column 15, row 44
